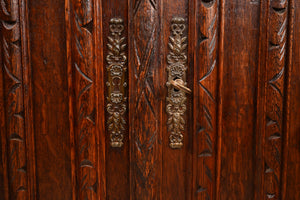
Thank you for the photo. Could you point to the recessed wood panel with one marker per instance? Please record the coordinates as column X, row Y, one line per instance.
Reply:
column 238, row 95
column 50, row 99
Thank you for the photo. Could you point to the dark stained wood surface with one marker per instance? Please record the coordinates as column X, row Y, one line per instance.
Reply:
column 145, row 102
column 14, row 103
column 241, row 133
column 176, row 163
column 206, row 44
column 82, row 73
column 117, row 164
column 238, row 96
column 46, row 22
column 291, row 182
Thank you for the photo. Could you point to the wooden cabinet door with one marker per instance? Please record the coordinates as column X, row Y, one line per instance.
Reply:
column 149, row 99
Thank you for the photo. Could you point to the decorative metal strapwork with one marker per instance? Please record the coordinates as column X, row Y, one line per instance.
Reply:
column 116, row 84
column 176, row 100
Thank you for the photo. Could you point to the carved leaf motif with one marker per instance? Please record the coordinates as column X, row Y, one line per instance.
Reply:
column 110, row 47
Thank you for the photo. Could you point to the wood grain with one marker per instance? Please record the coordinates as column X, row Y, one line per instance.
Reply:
column 4, row 185
column 117, row 163
column 176, row 163
column 292, row 180
column 144, row 99
column 28, row 100
column 84, row 108
column 260, row 102
column 241, row 132
column 206, row 97
column 49, row 77
column 238, row 99
column 275, row 76
column 100, row 104
column 14, row 101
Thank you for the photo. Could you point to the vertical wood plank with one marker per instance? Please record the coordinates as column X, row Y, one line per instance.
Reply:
column 118, row 165
column 206, row 97
column 83, row 107
column 238, row 99
column 287, row 98
column 100, row 101
column 4, row 185
column 70, row 94
column 220, row 100
column 260, row 103
column 292, row 146
column 50, row 98
column 14, row 100
column 176, row 163
column 144, row 99
column 28, row 97
column 274, row 97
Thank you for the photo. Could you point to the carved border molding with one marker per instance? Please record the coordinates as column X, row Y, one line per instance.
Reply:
column 177, row 66
column 84, row 109
column 116, row 84
column 206, row 95
column 15, row 140
column 275, row 91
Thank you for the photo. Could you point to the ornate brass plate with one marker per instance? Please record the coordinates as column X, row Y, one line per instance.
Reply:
column 176, row 100
column 116, row 84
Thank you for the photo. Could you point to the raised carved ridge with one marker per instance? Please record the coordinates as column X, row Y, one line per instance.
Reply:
column 137, row 4
column 84, row 101
column 144, row 116
column 275, row 97
column 13, row 96
column 116, row 84
column 177, row 66
column 207, row 35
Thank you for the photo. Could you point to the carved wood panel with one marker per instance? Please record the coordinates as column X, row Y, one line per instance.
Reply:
column 14, row 136
column 206, row 97
column 276, row 65
column 79, row 78
column 83, row 100
column 145, row 102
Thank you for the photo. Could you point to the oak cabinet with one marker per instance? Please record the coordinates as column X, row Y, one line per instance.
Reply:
column 150, row 99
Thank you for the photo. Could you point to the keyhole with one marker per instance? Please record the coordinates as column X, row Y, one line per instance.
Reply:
column 175, row 89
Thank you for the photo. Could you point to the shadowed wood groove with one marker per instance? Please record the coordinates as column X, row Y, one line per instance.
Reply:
column 289, row 183
column 239, row 127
